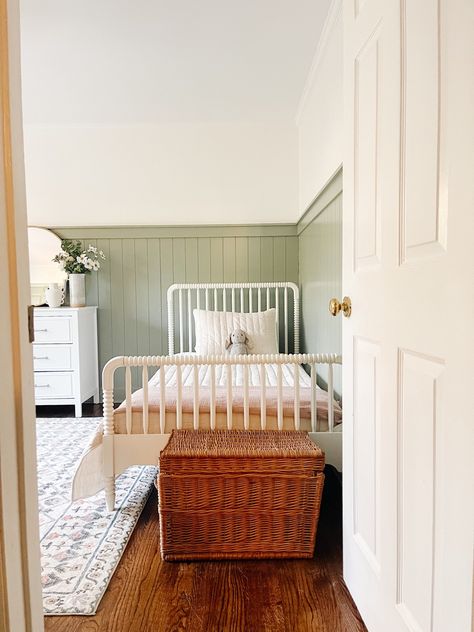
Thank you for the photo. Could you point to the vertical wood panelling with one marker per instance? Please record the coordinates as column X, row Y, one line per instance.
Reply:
column 204, row 259
column 130, row 288
column 105, row 301
column 129, row 295
column 116, row 294
column 266, row 258
column 153, row 290
column 241, row 259
column 142, row 296
column 166, row 271
column 229, row 259
column 291, row 259
column 320, row 275
column 192, row 266
column 254, row 247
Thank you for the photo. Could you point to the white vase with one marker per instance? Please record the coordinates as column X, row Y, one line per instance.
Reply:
column 77, row 290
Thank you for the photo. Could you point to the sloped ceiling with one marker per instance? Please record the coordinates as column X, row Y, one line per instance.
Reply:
column 155, row 61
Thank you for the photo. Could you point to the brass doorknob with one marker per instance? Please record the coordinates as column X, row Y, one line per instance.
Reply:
column 346, row 306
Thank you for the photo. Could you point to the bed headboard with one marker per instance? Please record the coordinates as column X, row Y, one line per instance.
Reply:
column 234, row 297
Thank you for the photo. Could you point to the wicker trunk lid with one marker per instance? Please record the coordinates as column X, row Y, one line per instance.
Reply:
column 239, row 494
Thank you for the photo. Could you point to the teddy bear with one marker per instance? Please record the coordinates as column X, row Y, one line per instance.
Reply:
column 238, row 341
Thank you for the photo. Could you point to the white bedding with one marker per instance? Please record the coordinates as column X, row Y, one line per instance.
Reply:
column 271, row 372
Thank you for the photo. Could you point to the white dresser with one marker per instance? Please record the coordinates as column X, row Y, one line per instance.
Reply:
column 65, row 356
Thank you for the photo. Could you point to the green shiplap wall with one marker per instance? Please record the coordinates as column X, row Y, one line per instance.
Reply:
column 320, row 274
column 130, row 289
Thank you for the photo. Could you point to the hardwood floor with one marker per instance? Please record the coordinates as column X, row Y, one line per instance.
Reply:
column 149, row 595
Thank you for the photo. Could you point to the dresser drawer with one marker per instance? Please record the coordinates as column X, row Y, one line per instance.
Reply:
column 53, row 385
column 53, row 329
column 52, row 357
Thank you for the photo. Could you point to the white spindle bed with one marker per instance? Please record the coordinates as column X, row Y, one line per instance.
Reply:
column 217, row 391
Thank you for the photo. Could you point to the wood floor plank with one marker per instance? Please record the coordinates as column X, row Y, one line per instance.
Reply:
column 149, row 595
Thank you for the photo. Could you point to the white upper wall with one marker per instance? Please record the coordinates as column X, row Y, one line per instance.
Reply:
column 159, row 112
column 220, row 173
column 320, row 114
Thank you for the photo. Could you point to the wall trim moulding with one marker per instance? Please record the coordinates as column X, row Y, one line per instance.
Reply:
column 150, row 232
column 329, row 192
column 335, row 11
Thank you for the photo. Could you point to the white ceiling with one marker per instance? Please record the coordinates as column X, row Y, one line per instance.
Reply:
column 114, row 62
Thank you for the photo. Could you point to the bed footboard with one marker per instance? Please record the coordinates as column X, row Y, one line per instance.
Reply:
column 116, row 454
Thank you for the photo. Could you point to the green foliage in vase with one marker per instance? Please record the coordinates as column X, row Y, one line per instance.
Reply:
column 74, row 260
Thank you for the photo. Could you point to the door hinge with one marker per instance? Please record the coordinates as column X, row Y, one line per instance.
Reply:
column 31, row 323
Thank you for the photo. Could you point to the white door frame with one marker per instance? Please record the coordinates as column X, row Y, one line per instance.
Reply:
column 20, row 588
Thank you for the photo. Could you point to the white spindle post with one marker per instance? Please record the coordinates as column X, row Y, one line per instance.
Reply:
column 171, row 312
column 246, row 397
column 233, row 299
column 181, row 327
column 224, row 300
column 198, row 299
column 314, row 408
column 196, row 397
column 162, row 370
column 190, row 323
column 128, row 399
column 242, row 300
column 279, row 397
column 259, row 299
column 207, row 299
column 108, row 406
column 277, row 308
column 296, row 386
column 179, row 397
column 296, row 320
column 330, row 399
column 250, row 300
column 268, row 299
column 216, row 304
column 263, row 401
column 229, row 395
column 145, row 398
column 212, row 397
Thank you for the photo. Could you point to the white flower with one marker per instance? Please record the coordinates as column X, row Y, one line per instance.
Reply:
column 102, row 255
column 93, row 249
column 95, row 265
column 79, row 259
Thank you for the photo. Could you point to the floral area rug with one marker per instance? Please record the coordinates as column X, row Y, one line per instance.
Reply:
column 81, row 542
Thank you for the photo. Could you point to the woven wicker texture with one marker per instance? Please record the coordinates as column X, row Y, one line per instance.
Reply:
column 239, row 494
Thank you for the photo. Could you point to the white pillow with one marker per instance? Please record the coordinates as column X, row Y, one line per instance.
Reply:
column 212, row 329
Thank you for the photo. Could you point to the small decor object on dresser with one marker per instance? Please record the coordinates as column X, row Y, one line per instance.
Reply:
column 54, row 295
column 77, row 263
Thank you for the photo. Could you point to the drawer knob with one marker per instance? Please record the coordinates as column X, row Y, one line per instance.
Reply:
column 41, row 385
column 41, row 329
column 40, row 358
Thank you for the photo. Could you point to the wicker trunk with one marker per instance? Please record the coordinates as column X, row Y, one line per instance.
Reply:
column 239, row 494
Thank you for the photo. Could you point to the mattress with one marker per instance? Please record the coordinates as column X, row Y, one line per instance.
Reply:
column 290, row 374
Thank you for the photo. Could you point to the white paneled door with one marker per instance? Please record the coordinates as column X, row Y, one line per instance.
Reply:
column 408, row 345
